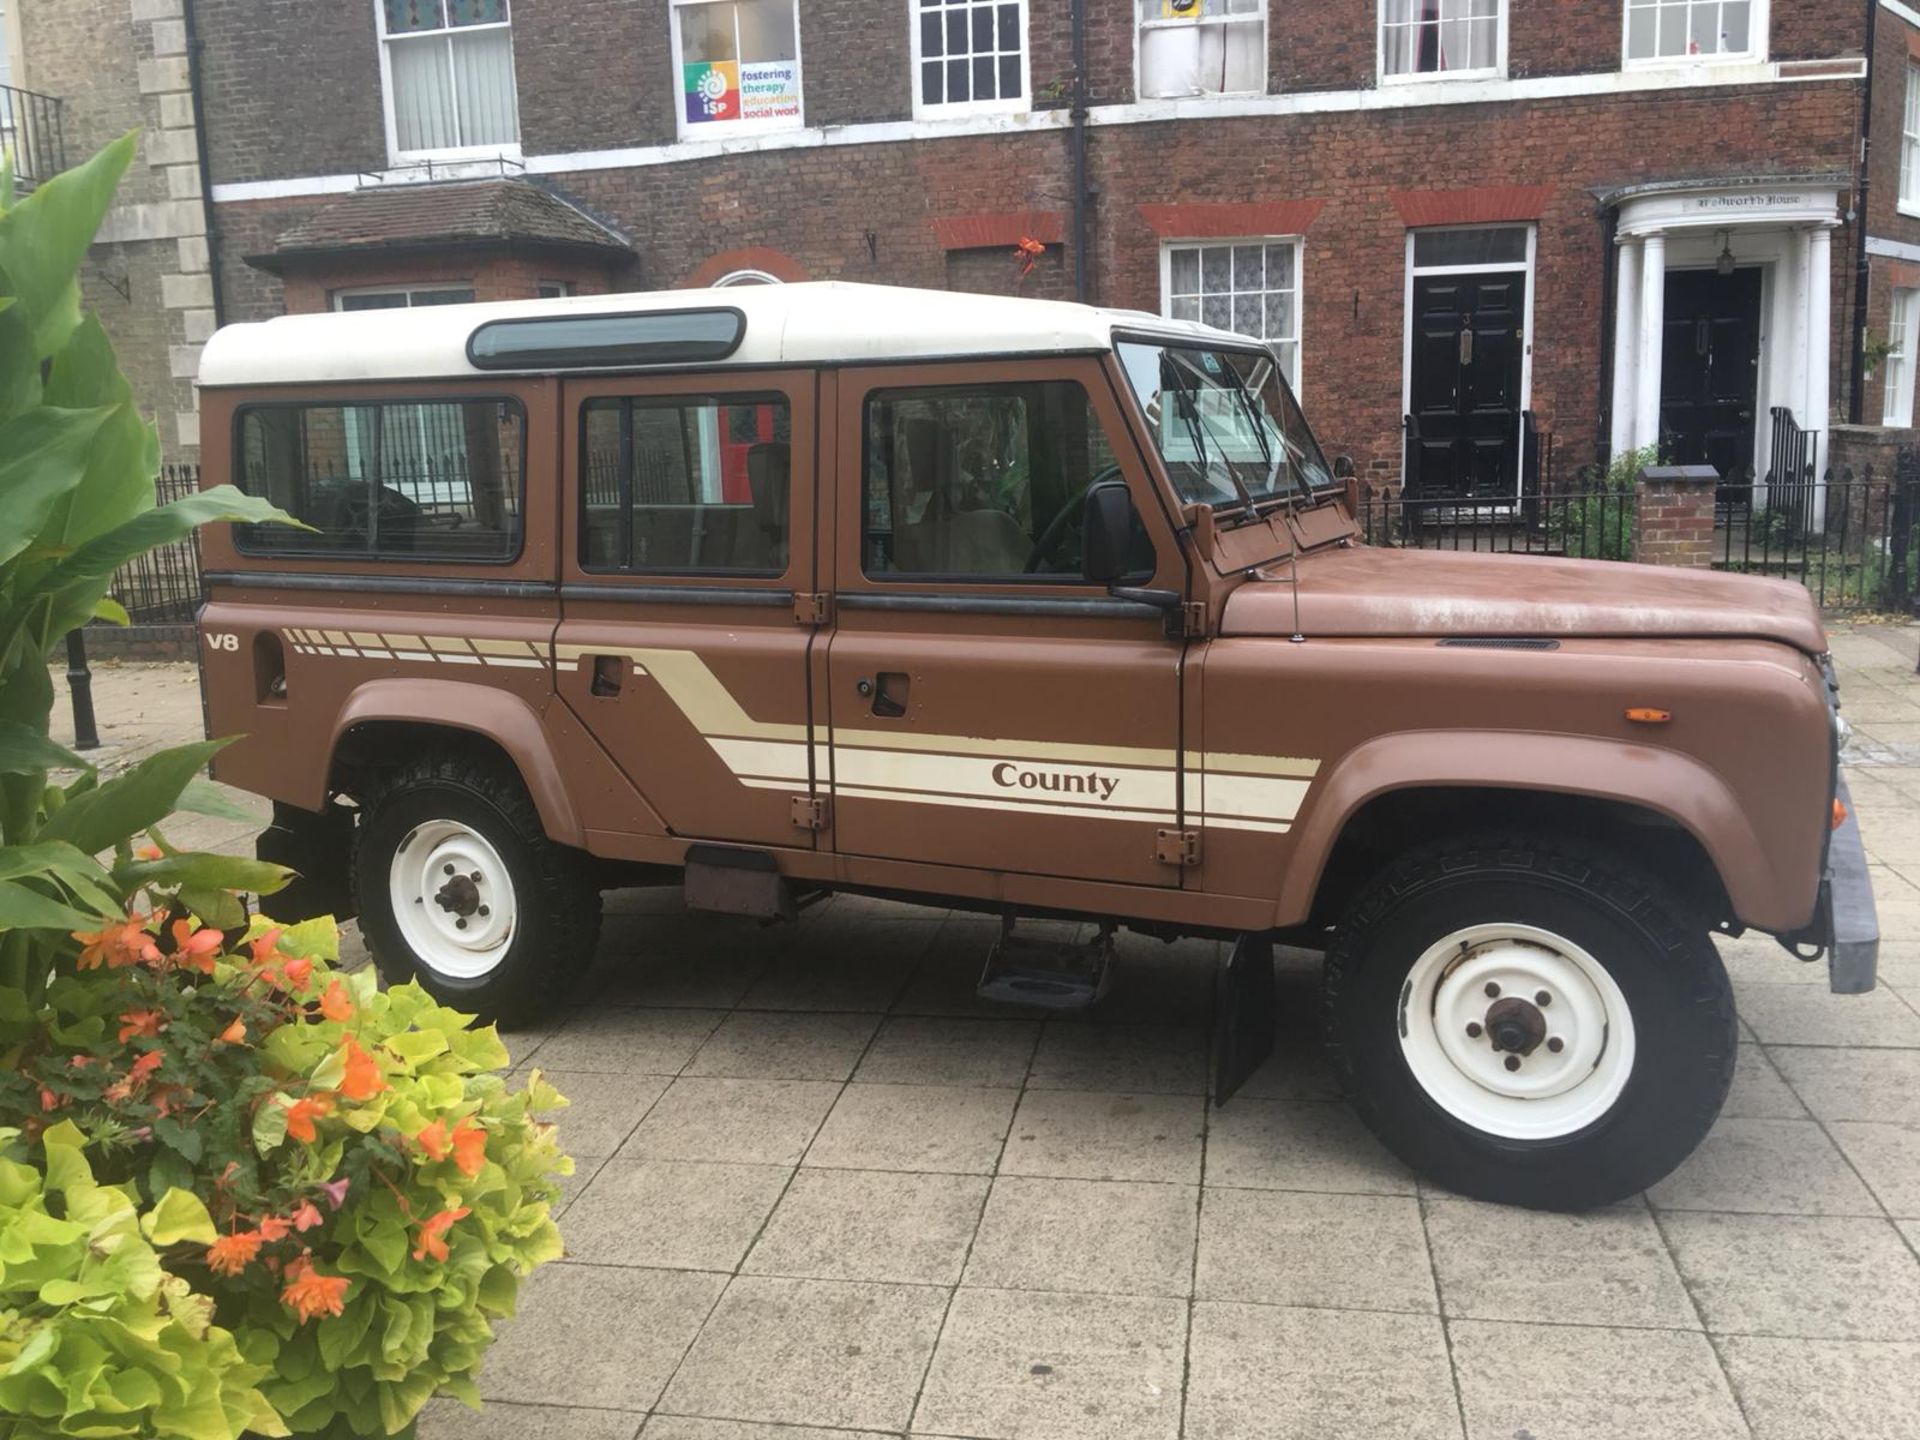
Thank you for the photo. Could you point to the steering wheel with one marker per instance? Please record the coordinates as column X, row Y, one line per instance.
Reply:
column 1069, row 514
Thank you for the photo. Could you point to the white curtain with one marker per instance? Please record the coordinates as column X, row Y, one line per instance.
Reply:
column 1401, row 36
column 422, row 95
column 483, row 88
column 1440, row 35
column 1195, row 59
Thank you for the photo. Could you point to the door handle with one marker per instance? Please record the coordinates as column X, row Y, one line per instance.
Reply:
column 889, row 696
column 609, row 673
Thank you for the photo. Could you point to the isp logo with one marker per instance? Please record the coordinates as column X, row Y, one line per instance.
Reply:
column 713, row 91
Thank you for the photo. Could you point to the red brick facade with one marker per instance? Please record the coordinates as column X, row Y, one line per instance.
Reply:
column 923, row 204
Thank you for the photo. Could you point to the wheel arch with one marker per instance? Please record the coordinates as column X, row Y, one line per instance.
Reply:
column 1402, row 790
column 385, row 713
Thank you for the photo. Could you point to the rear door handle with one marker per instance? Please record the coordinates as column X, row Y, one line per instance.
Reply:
column 889, row 694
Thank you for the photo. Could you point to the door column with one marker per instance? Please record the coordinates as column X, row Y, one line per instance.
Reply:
column 1626, row 356
column 1819, row 348
column 1653, row 315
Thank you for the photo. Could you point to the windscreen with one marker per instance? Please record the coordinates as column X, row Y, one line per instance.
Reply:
column 1226, row 424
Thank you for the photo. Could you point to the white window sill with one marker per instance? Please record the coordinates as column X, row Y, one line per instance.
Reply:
column 1205, row 95
column 968, row 109
column 1909, row 207
column 1441, row 77
column 1691, row 62
column 722, row 130
column 479, row 155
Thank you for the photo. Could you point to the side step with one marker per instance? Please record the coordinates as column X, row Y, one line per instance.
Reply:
column 1047, row 974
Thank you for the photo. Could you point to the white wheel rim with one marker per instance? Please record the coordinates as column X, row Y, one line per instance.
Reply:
column 453, row 899
column 1483, row 984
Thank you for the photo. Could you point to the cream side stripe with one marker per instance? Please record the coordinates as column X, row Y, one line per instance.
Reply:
column 1222, row 760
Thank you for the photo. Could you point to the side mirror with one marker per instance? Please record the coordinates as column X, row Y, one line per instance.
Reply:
column 1110, row 548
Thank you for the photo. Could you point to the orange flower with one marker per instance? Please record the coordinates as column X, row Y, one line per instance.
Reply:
column 142, row 1022
column 49, row 1100
column 295, row 974
column 266, row 948
column 310, row 1294
column 149, row 852
column 303, row 1112
column 363, row 1079
column 469, row 1147
column 195, row 948
column 234, row 1034
column 334, row 1004
column 145, row 1066
column 432, row 1234
column 272, row 1227
column 231, row 1254
column 118, row 945
column 433, row 1140
column 305, row 1216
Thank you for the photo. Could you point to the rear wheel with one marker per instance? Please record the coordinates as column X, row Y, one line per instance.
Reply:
column 1530, row 1021
column 460, row 888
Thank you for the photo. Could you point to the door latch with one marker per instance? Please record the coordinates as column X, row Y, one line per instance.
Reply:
column 811, row 812
column 1179, row 848
column 812, row 609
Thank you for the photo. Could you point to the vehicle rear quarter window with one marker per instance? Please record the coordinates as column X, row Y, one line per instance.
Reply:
column 436, row 481
column 686, row 484
column 980, row 481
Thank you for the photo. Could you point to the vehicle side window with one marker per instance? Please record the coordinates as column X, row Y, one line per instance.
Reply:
column 980, row 481
column 427, row 481
column 683, row 483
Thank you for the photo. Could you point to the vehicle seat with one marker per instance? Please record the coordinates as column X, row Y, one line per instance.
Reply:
column 762, row 544
column 947, row 540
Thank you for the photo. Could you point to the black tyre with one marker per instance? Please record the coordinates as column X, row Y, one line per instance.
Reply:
column 1529, row 1020
column 459, row 888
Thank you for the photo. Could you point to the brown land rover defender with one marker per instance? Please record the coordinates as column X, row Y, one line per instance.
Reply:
column 1034, row 608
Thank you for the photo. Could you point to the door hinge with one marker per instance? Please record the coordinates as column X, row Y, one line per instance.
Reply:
column 811, row 812
column 1193, row 619
column 1177, row 847
column 812, row 609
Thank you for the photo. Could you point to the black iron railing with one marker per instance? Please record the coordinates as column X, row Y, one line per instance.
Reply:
column 30, row 132
column 1864, row 552
column 162, row 587
column 1790, row 476
column 1594, row 524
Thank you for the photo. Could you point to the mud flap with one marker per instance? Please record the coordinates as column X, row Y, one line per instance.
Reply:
column 1244, row 1001
column 316, row 845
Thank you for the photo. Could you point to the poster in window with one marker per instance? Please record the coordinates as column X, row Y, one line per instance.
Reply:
column 712, row 90
column 770, row 90
column 1181, row 9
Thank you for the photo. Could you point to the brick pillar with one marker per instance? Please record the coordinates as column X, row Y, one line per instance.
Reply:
column 1674, row 525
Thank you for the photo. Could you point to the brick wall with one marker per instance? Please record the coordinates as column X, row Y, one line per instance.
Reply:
column 1894, row 44
column 1674, row 521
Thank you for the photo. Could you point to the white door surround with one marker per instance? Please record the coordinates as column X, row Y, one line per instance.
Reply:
column 1785, row 227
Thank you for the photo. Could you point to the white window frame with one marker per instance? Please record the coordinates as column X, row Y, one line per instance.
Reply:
column 1758, row 42
column 952, row 109
column 397, row 156
column 424, row 287
column 1299, row 246
column 1532, row 267
column 1142, row 24
column 1909, row 195
column 1495, row 71
column 720, row 129
column 1896, row 409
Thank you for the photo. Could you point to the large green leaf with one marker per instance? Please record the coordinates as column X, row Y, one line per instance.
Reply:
column 43, row 455
column 44, row 239
column 129, row 803
column 102, row 555
column 24, row 749
column 209, row 798
column 124, row 456
column 67, row 867
column 23, row 908
column 204, row 871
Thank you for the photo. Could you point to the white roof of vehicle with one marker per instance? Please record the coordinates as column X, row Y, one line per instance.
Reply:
column 815, row 323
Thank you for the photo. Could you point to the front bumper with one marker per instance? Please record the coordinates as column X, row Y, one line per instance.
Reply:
column 1851, row 923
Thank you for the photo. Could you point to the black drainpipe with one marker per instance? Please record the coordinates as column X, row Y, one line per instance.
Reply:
column 206, row 171
column 1082, row 282
column 1856, row 396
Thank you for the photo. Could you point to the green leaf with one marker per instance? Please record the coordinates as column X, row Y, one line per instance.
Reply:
column 43, row 455
column 45, row 237
column 270, row 1125
column 24, row 750
column 183, row 1139
column 22, row 908
column 125, row 455
column 202, row 870
column 103, row 554
column 129, row 803
column 213, row 907
column 179, row 1217
column 111, row 610
column 208, row 797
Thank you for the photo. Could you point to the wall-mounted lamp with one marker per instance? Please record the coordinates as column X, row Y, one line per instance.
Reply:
column 1726, row 262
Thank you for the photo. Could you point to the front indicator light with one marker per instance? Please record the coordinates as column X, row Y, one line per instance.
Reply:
column 1647, row 715
column 1839, row 812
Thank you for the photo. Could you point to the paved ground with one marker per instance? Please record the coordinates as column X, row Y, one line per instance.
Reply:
column 824, row 1190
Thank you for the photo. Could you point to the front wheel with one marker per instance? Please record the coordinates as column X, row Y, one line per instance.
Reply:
column 460, row 888
column 1529, row 1021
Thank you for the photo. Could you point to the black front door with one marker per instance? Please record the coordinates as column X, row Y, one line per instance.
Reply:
column 1710, row 369
column 1469, row 338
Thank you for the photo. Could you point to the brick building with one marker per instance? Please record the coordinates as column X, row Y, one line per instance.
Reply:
column 1611, row 223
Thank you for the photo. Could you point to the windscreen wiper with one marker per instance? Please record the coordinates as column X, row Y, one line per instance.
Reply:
column 1190, row 412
